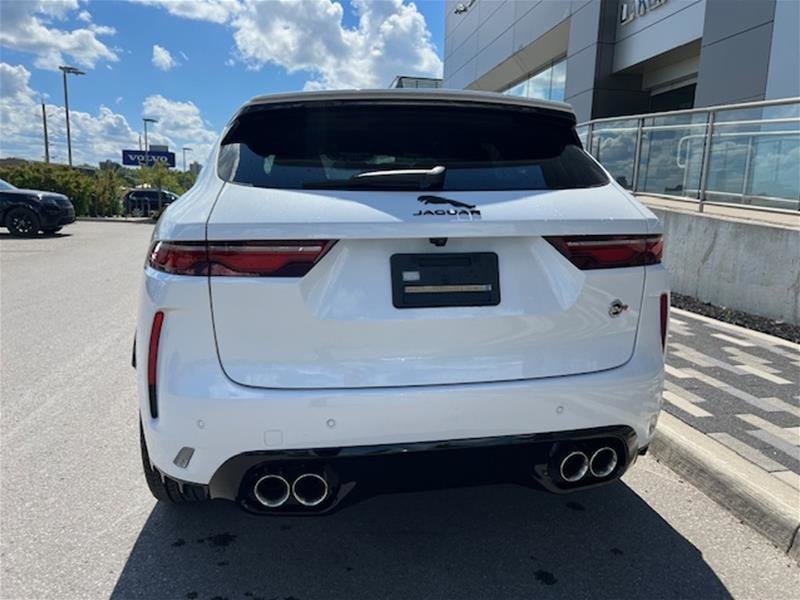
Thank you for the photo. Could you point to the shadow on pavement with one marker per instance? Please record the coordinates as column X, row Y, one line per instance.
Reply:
column 487, row 542
column 41, row 236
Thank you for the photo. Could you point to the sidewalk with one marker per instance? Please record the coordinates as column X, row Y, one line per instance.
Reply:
column 738, row 391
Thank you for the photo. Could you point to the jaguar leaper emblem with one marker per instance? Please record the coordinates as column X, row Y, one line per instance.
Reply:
column 458, row 208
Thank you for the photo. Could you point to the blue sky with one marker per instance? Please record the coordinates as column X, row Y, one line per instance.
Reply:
column 191, row 63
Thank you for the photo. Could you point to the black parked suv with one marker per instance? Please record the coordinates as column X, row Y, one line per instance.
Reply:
column 146, row 202
column 27, row 212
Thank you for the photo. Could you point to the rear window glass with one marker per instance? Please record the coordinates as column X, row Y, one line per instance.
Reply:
column 372, row 145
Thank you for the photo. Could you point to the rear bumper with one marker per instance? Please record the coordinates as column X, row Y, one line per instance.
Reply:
column 360, row 472
column 200, row 408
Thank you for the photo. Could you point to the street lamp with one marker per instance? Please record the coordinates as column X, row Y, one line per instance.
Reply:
column 66, row 70
column 185, row 148
column 147, row 120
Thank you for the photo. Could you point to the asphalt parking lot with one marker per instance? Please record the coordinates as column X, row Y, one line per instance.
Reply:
column 78, row 522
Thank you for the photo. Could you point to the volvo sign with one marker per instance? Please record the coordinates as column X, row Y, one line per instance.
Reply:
column 139, row 157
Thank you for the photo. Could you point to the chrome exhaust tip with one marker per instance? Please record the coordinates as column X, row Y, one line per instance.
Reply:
column 310, row 489
column 574, row 466
column 271, row 490
column 603, row 462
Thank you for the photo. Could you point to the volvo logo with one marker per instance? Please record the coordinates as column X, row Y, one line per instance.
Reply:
column 457, row 208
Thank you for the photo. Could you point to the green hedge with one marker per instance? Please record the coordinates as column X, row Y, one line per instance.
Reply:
column 96, row 193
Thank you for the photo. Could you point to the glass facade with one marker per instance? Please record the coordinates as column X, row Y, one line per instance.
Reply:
column 544, row 85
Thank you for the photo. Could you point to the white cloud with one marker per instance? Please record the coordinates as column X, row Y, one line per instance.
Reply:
column 162, row 59
column 95, row 137
column 85, row 16
column 181, row 124
column 215, row 11
column 391, row 38
column 28, row 27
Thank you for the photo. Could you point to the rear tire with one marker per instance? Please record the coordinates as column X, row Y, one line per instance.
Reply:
column 165, row 489
column 22, row 222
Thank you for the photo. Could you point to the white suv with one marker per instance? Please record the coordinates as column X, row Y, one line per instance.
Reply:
column 378, row 290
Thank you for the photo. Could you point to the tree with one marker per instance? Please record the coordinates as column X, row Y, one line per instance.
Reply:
column 108, row 186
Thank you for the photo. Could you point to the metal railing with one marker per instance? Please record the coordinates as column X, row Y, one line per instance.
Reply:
column 745, row 155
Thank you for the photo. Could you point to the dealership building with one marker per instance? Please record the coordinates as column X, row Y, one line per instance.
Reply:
column 618, row 57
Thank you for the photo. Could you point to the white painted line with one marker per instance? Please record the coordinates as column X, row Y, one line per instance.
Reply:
column 732, row 340
column 764, row 375
column 789, row 435
column 676, row 321
column 748, row 452
column 740, row 330
column 685, row 405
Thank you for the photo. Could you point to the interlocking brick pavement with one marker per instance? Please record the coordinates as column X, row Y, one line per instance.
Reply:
column 740, row 387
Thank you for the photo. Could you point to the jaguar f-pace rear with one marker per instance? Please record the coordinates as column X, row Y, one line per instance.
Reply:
column 388, row 290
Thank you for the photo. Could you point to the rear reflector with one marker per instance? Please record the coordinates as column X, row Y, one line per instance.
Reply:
column 664, row 319
column 238, row 259
column 609, row 251
column 152, row 362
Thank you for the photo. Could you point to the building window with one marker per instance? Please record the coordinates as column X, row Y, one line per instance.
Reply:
column 548, row 84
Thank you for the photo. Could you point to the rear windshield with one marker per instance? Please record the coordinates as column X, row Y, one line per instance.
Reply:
column 433, row 146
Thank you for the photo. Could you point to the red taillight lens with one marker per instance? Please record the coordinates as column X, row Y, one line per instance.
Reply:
column 179, row 258
column 152, row 361
column 238, row 259
column 609, row 251
column 664, row 319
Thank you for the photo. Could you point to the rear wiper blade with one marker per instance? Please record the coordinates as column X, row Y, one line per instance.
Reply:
column 436, row 171
column 411, row 179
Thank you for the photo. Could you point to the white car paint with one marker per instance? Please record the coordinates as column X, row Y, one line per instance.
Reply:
column 249, row 364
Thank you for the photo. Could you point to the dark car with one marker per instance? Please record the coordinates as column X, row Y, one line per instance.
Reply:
column 27, row 212
column 147, row 202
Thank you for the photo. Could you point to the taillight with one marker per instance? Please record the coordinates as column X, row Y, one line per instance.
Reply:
column 152, row 362
column 238, row 259
column 609, row 251
column 664, row 319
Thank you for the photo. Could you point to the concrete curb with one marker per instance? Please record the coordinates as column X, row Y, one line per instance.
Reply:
column 116, row 220
column 768, row 505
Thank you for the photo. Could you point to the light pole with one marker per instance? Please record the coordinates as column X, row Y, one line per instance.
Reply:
column 46, row 141
column 185, row 148
column 66, row 70
column 147, row 120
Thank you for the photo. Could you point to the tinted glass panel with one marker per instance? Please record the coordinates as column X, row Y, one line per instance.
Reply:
column 480, row 147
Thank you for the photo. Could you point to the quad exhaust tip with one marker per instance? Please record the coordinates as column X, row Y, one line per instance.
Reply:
column 310, row 489
column 271, row 490
column 574, row 466
column 603, row 462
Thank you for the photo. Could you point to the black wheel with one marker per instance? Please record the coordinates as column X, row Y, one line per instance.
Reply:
column 165, row 489
column 52, row 230
column 22, row 222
